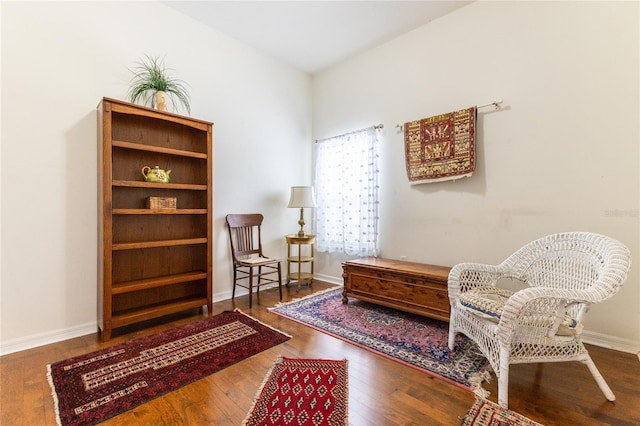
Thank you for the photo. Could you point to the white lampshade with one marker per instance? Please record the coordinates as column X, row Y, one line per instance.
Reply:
column 302, row 197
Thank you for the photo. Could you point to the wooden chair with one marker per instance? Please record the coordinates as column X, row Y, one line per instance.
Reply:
column 249, row 262
column 560, row 276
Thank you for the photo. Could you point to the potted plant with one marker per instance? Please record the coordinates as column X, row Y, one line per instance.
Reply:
column 152, row 82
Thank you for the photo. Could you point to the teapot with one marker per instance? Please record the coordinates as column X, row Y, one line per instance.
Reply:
column 156, row 174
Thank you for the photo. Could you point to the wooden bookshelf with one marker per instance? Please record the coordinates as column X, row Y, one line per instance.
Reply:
column 152, row 262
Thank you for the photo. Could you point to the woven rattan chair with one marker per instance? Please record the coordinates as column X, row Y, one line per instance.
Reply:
column 251, row 268
column 561, row 275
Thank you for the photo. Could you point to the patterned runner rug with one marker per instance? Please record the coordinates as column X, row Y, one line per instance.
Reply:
column 300, row 392
column 414, row 340
column 91, row 388
column 487, row 413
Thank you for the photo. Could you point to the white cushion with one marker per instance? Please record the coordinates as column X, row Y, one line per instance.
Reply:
column 256, row 260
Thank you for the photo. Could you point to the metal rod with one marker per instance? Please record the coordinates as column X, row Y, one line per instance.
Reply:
column 494, row 103
column 376, row 127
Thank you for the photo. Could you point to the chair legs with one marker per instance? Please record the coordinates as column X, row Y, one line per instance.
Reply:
column 279, row 281
column 250, row 276
column 452, row 330
column 503, row 363
column 251, row 286
column 235, row 280
column 604, row 387
column 503, row 378
column 259, row 276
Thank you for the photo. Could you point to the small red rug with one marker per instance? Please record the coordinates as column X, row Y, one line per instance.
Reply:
column 91, row 388
column 302, row 392
column 487, row 413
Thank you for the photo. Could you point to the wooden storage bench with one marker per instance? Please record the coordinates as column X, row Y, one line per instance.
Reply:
column 408, row 286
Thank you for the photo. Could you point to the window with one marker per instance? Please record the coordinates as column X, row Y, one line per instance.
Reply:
column 346, row 184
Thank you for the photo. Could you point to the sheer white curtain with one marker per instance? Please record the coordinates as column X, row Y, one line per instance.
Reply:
column 346, row 184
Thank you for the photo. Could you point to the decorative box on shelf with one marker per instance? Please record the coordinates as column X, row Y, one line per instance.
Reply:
column 161, row 203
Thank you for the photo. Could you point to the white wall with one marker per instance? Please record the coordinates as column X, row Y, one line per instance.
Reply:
column 562, row 155
column 58, row 60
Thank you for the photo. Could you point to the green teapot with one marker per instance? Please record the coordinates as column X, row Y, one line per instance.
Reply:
column 156, row 174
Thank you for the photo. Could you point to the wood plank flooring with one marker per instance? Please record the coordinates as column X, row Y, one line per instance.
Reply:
column 381, row 391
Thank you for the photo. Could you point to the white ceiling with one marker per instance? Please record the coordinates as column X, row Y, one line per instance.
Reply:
column 313, row 35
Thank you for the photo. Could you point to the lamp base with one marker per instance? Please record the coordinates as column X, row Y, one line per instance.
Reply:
column 301, row 232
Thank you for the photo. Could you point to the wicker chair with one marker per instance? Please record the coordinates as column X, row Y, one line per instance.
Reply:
column 561, row 275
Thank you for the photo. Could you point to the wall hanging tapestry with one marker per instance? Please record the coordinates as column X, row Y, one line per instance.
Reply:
column 487, row 413
column 299, row 392
column 91, row 388
column 414, row 340
column 442, row 147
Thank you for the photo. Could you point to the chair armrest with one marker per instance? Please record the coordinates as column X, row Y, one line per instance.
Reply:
column 466, row 276
column 537, row 312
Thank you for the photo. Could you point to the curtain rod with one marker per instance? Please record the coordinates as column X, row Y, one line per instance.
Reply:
column 376, row 127
column 496, row 104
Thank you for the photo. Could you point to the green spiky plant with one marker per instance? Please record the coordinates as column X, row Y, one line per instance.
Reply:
column 151, row 76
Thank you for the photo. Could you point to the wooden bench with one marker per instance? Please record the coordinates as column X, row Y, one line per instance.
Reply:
column 408, row 286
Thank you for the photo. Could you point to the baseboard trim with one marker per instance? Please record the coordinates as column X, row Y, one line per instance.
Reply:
column 329, row 279
column 611, row 342
column 41, row 339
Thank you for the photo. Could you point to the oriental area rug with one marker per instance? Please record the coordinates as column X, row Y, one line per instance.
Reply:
column 299, row 392
column 91, row 388
column 487, row 413
column 413, row 340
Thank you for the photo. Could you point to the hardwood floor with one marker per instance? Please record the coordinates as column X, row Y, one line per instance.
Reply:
column 381, row 391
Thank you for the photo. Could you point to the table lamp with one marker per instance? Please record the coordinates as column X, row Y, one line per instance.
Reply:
column 302, row 197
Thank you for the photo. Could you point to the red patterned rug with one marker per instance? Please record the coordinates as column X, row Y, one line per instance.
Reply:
column 91, row 388
column 487, row 413
column 413, row 340
column 302, row 392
